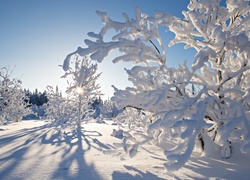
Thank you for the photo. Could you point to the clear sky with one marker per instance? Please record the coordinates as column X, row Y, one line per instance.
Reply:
column 36, row 36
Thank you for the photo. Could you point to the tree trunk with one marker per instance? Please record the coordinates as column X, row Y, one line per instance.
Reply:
column 79, row 113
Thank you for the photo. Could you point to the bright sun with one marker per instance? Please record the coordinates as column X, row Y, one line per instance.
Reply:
column 79, row 90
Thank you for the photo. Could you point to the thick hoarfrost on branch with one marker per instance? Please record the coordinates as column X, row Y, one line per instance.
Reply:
column 218, row 109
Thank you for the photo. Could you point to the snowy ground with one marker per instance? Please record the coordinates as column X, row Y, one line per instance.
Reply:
column 32, row 150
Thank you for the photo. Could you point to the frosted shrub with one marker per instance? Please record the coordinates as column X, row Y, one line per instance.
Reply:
column 135, row 118
column 60, row 110
column 13, row 106
column 109, row 109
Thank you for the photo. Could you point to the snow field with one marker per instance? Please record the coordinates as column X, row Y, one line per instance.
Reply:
column 34, row 150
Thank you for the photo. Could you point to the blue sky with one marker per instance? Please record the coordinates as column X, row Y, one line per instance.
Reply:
column 36, row 36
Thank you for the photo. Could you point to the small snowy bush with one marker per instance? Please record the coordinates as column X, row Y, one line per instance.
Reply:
column 109, row 109
column 220, row 109
column 59, row 110
column 13, row 106
column 135, row 118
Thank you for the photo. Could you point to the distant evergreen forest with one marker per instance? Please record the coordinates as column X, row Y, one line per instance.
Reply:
column 36, row 97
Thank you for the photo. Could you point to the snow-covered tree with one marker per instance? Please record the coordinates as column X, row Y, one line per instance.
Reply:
column 13, row 102
column 81, row 74
column 109, row 109
column 96, row 105
column 219, row 112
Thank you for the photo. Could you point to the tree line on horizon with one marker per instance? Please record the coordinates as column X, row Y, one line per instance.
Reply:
column 17, row 103
column 36, row 97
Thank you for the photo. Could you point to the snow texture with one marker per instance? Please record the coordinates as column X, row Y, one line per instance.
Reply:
column 32, row 149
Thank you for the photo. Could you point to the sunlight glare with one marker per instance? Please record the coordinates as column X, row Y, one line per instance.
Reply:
column 79, row 90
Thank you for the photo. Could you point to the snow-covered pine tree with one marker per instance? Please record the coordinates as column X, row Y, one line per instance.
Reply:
column 96, row 105
column 81, row 74
column 13, row 102
column 219, row 110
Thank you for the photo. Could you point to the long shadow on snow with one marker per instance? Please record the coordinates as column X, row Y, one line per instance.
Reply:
column 74, row 145
column 19, row 141
column 140, row 175
column 211, row 167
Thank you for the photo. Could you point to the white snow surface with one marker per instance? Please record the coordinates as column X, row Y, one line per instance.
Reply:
column 31, row 149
